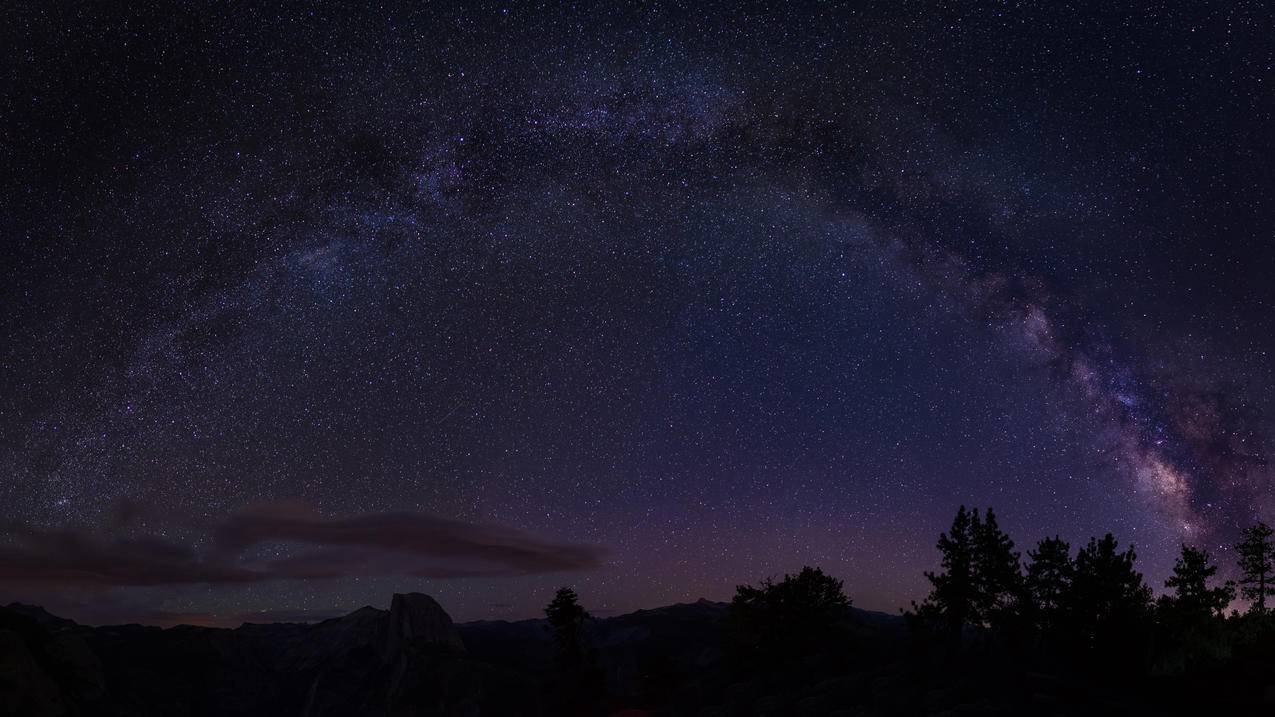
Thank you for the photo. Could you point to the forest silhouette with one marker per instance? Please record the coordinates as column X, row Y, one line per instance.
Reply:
column 1055, row 631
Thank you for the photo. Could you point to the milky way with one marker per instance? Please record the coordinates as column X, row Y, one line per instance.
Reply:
column 648, row 301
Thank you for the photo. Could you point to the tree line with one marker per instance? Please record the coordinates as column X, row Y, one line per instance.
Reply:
column 1094, row 608
column 1084, row 611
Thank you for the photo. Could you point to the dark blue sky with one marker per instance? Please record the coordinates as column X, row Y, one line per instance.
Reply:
column 481, row 301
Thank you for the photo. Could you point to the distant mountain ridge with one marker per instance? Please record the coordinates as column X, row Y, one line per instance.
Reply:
column 409, row 659
column 369, row 662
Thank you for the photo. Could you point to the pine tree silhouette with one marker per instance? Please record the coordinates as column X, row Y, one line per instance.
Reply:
column 1256, row 570
column 951, row 603
column 1190, row 583
column 981, row 583
column 779, row 622
column 1108, row 605
column 1049, row 576
column 580, row 683
column 997, row 574
column 567, row 618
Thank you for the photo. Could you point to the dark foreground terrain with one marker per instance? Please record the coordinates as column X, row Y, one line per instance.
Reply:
column 412, row 660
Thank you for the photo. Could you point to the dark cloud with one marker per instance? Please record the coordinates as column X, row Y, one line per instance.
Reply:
column 317, row 547
column 72, row 558
column 402, row 542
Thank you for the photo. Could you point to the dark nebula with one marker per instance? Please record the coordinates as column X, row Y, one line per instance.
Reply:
column 303, row 305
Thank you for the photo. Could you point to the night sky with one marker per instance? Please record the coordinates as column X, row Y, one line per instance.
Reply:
column 301, row 306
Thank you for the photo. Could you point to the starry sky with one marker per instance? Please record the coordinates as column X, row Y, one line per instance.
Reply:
column 303, row 305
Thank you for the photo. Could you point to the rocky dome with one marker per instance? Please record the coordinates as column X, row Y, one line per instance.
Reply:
column 419, row 617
